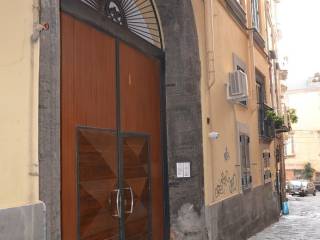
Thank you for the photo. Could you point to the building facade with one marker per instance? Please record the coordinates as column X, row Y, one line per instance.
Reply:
column 302, row 145
column 242, row 166
column 123, row 124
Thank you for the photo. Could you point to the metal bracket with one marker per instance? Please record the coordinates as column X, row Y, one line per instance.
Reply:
column 37, row 30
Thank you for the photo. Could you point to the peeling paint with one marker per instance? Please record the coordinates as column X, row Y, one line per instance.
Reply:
column 189, row 224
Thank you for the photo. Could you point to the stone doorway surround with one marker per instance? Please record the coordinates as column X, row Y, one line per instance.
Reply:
column 183, row 116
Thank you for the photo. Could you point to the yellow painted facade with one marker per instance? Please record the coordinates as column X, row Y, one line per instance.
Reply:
column 221, row 39
column 303, row 142
column 19, row 60
column 230, row 40
column 201, row 18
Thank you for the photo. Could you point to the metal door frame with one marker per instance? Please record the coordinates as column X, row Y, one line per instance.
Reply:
column 120, row 177
column 81, row 12
column 121, row 180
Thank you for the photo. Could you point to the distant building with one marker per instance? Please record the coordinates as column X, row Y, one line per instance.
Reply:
column 244, row 165
column 303, row 143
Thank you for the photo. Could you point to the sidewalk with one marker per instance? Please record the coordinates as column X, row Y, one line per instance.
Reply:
column 303, row 222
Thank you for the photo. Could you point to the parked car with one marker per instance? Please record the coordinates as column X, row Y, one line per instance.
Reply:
column 317, row 185
column 301, row 187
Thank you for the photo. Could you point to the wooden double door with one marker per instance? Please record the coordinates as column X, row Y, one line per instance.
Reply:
column 112, row 179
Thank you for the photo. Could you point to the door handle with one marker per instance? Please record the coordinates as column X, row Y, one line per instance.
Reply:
column 118, row 214
column 131, row 194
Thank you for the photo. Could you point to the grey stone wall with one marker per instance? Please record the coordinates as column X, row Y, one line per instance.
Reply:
column 184, row 128
column 244, row 215
column 49, row 116
column 23, row 223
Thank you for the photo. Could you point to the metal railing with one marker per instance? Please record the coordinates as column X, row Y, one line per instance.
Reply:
column 266, row 125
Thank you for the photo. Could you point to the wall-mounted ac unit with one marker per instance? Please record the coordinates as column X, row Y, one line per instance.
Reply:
column 237, row 87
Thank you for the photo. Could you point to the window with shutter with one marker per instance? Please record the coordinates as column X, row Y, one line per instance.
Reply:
column 290, row 146
column 265, row 125
column 255, row 15
column 266, row 163
column 244, row 102
column 246, row 178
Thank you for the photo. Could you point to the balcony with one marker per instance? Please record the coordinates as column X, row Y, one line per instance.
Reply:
column 271, row 123
column 266, row 125
column 283, row 74
column 285, row 127
column 237, row 11
column 258, row 39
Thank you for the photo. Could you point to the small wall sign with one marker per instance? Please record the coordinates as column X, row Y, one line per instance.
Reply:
column 183, row 170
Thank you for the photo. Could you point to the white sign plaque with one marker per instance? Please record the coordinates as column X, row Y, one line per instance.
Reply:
column 180, row 170
column 186, row 170
column 183, row 170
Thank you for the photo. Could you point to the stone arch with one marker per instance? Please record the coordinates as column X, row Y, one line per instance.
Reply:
column 138, row 16
column 183, row 73
column 183, row 111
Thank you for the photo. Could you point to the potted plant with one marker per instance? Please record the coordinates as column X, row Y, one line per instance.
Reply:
column 276, row 119
column 292, row 115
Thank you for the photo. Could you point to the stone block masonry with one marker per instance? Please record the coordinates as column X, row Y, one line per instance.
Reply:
column 184, row 119
column 244, row 215
column 23, row 223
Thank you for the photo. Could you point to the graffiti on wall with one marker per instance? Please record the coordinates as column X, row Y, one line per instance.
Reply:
column 226, row 184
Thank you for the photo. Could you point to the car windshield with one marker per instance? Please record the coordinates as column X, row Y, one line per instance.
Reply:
column 298, row 183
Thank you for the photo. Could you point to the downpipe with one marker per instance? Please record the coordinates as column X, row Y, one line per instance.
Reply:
column 210, row 69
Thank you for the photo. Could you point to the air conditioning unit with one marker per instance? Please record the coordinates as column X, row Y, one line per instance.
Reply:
column 237, row 87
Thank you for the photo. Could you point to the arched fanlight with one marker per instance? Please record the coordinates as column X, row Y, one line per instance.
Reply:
column 138, row 16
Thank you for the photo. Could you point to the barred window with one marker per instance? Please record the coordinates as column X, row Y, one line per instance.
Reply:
column 246, row 177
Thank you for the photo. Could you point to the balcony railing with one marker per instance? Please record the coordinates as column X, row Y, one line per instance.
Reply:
column 266, row 125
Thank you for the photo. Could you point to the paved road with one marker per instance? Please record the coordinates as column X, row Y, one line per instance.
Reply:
column 303, row 222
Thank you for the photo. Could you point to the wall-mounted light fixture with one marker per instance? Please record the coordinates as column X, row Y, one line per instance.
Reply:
column 214, row 135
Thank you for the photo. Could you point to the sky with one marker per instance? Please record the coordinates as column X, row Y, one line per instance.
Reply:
column 299, row 22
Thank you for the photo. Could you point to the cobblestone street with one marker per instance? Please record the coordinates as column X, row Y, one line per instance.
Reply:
column 303, row 222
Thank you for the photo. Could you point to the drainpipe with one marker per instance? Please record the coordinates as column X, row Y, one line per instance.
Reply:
column 276, row 88
column 210, row 70
column 33, row 130
column 270, row 61
column 252, row 64
column 252, row 69
column 209, row 15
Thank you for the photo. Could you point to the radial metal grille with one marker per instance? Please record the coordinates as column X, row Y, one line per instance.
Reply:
column 138, row 16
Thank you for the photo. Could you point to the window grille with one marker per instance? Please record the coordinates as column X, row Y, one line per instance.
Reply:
column 246, row 178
